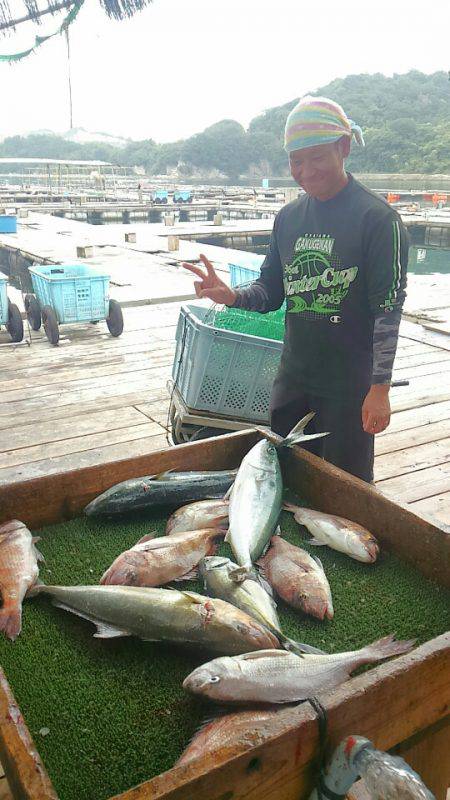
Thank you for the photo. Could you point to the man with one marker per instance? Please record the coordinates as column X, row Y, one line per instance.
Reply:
column 338, row 254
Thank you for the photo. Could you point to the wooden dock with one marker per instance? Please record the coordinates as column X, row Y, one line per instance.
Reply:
column 94, row 398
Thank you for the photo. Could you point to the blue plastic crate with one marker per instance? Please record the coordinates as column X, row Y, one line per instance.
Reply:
column 240, row 275
column 222, row 372
column 76, row 292
column 8, row 223
column 3, row 299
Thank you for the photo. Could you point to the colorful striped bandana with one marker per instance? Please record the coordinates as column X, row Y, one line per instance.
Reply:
column 317, row 120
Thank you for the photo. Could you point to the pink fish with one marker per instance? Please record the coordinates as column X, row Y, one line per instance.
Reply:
column 298, row 578
column 18, row 572
column 157, row 561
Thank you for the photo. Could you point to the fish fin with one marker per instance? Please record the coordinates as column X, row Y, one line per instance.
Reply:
column 227, row 537
column 11, row 622
column 193, row 597
column 227, row 494
column 159, row 476
column 277, row 532
column 188, row 576
column 315, row 543
column 261, row 654
column 318, row 561
column 287, row 506
column 159, row 543
column 300, row 648
column 36, row 539
column 147, row 538
column 108, row 631
column 102, row 627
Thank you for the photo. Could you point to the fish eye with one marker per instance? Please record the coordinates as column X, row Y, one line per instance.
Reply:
column 214, row 679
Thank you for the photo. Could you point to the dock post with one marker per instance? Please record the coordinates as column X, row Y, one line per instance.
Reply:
column 218, row 219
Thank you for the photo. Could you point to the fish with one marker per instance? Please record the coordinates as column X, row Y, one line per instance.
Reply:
column 156, row 561
column 256, row 498
column 165, row 489
column 248, row 595
column 168, row 615
column 18, row 572
column 276, row 676
column 338, row 533
column 246, row 728
column 298, row 578
column 202, row 514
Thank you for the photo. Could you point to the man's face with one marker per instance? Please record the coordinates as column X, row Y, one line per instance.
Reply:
column 320, row 170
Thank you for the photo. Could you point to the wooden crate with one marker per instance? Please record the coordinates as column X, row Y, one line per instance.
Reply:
column 403, row 704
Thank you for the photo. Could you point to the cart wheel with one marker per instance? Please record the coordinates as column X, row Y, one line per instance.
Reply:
column 33, row 310
column 114, row 320
column 50, row 323
column 206, row 433
column 14, row 326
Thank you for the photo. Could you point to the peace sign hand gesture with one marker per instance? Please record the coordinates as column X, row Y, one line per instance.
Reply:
column 210, row 285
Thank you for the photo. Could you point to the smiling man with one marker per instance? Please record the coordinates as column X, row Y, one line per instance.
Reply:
column 338, row 255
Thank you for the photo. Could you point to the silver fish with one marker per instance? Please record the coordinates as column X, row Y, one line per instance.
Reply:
column 162, row 615
column 338, row 533
column 249, row 595
column 167, row 488
column 203, row 514
column 256, row 498
column 298, row 578
column 276, row 676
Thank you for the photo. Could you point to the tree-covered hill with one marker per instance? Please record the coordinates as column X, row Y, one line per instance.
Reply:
column 405, row 120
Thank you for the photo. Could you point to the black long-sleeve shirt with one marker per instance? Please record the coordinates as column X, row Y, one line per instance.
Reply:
column 341, row 266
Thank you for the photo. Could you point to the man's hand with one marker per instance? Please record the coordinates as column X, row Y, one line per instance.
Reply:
column 210, row 285
column 376, row 410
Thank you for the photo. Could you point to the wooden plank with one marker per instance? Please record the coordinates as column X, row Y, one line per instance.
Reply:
column 284, row 766
column 402, row 440
column 153, row 389
column 156, row 411
column 35, row 367
column 437, row 506
column 414, row 458
column 66, row 494
column 437, row 367
column 78, row 444
column 428, row 753
column 402, row 360
column 142, row 446
column 38, row 414
column 418, row 485
column 416, row 417
column 37, row 434
column 25, row 386
column 416, row 400
column 24, row 769
column 138, row 370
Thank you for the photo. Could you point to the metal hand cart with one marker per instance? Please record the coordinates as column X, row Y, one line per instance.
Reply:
column 10, row 315
column 66, row 293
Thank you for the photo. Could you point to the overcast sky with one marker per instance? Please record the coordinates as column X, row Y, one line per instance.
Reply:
column 181, row 65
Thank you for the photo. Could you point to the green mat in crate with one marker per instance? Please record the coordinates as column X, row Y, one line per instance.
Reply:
column 267, row 326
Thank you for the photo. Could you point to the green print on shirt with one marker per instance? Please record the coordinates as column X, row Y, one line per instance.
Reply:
column 311, row 273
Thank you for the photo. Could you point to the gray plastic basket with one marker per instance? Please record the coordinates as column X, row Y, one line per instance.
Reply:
column 222, row 372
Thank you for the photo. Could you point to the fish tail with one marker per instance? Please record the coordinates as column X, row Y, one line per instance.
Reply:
column 11, row 621
column 385, row 648
column 297, row 435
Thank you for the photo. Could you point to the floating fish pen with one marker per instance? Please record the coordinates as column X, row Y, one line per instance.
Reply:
column 88, row 718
